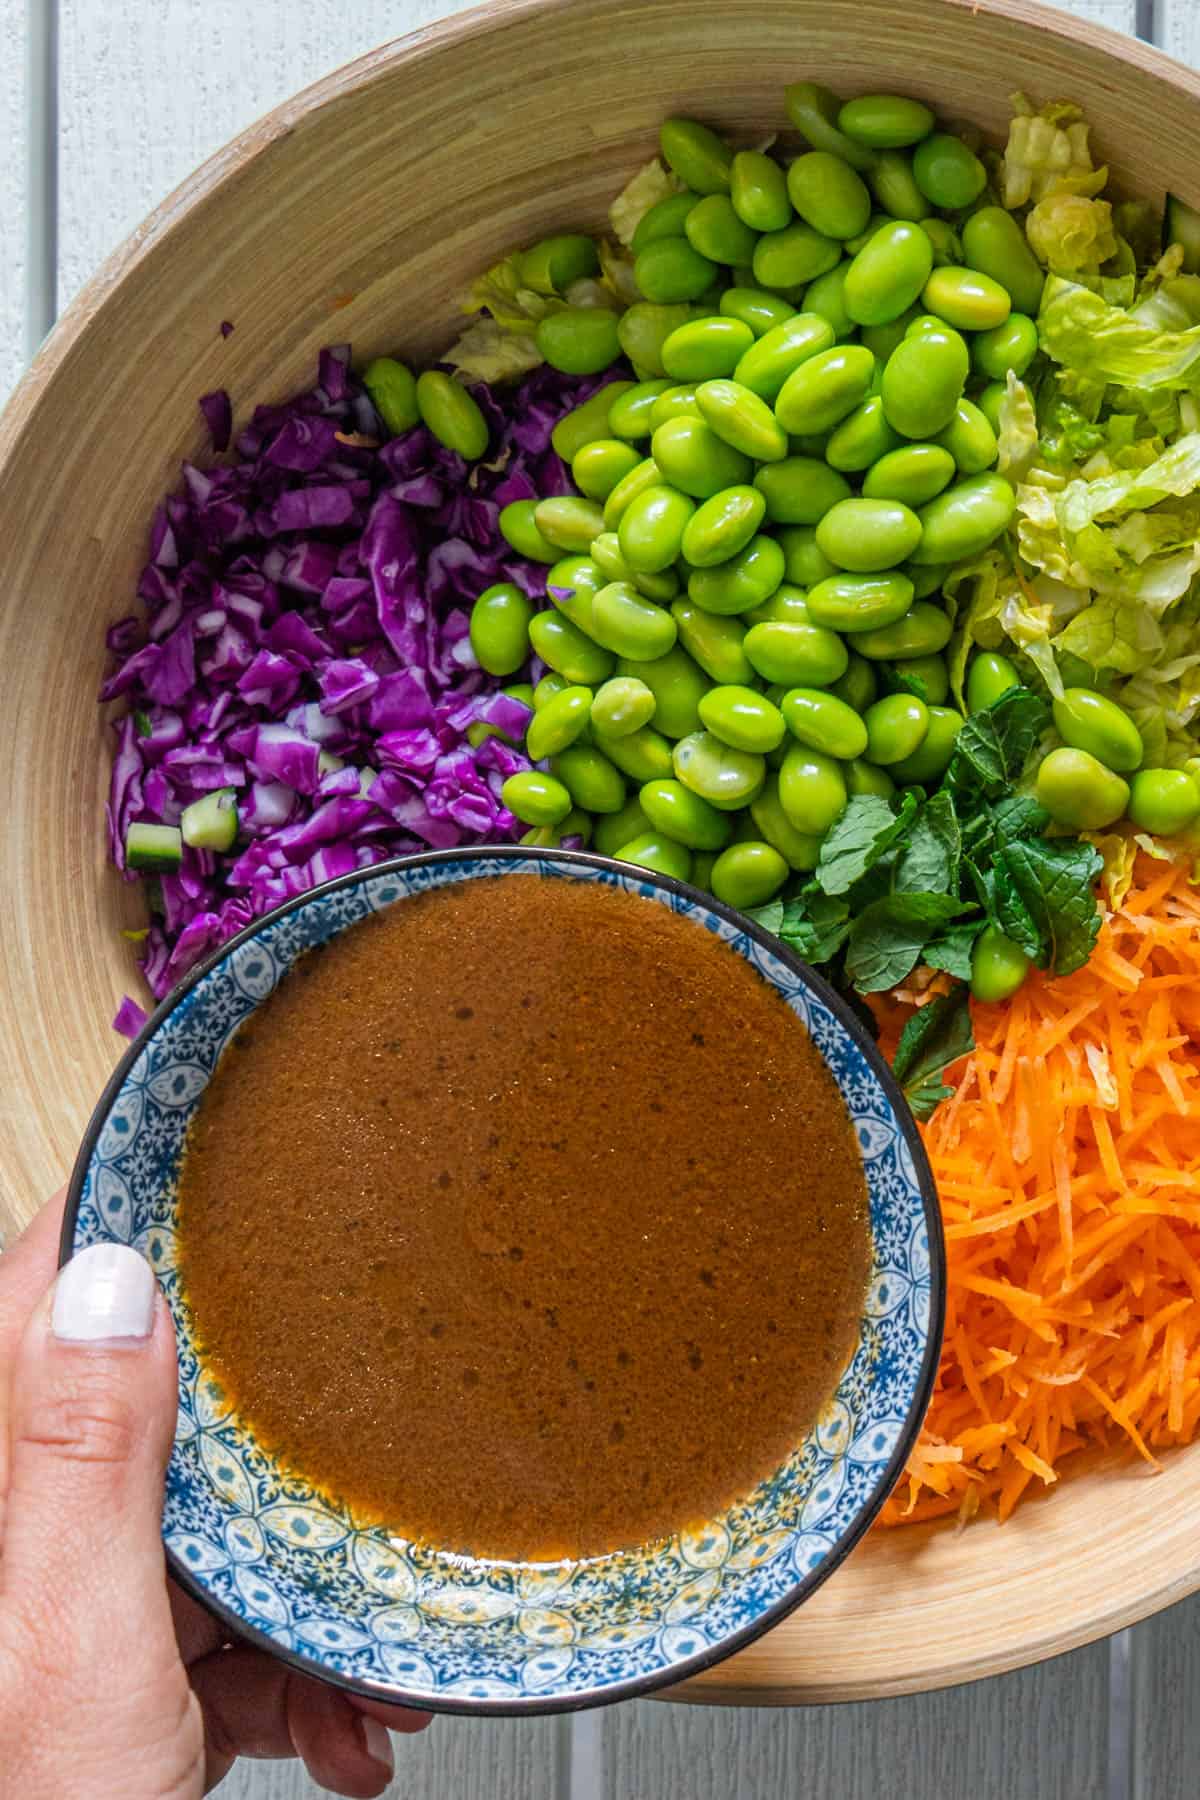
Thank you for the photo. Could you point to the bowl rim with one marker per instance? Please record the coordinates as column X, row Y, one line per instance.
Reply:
column 633, row 1687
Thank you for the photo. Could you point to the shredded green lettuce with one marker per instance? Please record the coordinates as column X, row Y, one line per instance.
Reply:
column 1047, row 153
column 652, row 183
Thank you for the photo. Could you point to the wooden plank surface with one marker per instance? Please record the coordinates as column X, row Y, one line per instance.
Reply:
column 1165, row 1736
column 456, row 1759
column 1177, row 29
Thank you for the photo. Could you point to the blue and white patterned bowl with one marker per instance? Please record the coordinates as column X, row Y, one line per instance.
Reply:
column 283, row 1568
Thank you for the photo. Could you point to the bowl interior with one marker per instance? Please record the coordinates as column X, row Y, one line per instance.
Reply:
column 277, row 1558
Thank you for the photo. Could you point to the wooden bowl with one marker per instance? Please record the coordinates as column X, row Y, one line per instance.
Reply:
column 359, row 211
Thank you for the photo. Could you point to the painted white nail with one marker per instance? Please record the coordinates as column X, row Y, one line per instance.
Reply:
column 379, row 1744
column 105, row 1292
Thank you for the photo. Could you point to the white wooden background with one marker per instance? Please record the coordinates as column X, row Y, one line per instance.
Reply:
column 104, row 106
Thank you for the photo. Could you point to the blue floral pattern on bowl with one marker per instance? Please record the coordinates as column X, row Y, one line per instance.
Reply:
column 356, row 1606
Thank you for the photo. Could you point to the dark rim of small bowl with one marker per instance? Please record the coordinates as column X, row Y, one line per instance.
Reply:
column 640, row 1685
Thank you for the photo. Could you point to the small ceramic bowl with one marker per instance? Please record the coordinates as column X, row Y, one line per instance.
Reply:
column 282, row 1567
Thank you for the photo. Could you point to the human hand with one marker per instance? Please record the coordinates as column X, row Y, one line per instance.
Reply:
column 112, row 1682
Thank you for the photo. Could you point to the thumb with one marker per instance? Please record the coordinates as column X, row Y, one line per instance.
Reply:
column 92, row 1416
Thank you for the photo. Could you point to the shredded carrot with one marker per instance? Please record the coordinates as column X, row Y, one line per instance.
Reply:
column 1068, row 1161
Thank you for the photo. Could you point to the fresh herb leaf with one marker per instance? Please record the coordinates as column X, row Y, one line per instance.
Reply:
column 1018, row 817
column 994, row 745
column 1046, row 887
column 815, row 925
column 886, row 940
column 951, row 950
column 864, row 834
column 929, row 861
column 936, row 1036
column 770, row 916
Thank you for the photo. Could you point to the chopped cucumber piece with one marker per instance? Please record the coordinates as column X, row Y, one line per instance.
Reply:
column 211, row 823
column 153, row 847
column 1182, row 226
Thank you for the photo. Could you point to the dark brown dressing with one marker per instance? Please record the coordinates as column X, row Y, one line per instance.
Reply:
column 525, row 1219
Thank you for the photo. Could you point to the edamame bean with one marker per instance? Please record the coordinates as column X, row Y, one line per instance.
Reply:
column 888, row 274
column 970, row 439
column 651, row 528
column 766, row 366
column 742, row 717
column 930, row 672
column 964, row 519
column 568, row 522
column 800, row 490
column 534, row 798
column 922, row 631
column 579, row 340
column 756, row 308
column 875, row 223
column 947, row 172
column 630, row 415
column 828, row 194
column 896, row 726
column 817, row 395
column 674, row 403
column 661, row 855
column 714, row 228
column 826, row 296
column 946, row 247
column 860, row 603
column 606, row 554
column 677, row 684
column 863, row 777
column 922, row 381
column 722, row 526
column 885, row 121
column 1012, row 345
column 694, row 459
column 966, row 298
column 914, row 474
column 678, row 813
column 989, row 676
column 499, row 627
column 812, row 789
column 744, row 581
column 549, row 837
column 881, row 340
column 519, row 530
column 798, row 849
column 551, row 683
column 926, row 581
column 621, row 705
column 450, row 413
column 858, row 686
column 714, row 642
column 666, row 218
column 644, row 328
column 758, row 190
column 931, row 759
column 393, row 390
column 895, row 189
column 706, row 348
column 796, row 655
column 670, row 271
column 998, row 966
column 748, row 874
column 559, row 723
column 552, row 264
column 994, row 243
column 725, row 777
column 1163, row 801
column 562, row 646
column 628, row 625
column 1078, row 791
column 862, row 438
column 697, row 155
column 646, row 475
column 787, row 603
column 867, row 536
column 990, row 401
column 741, row 419
column 814, row 111
column 804, row 562
column 789, row 258
column 589, row 777
column 598, row 466
column 612, row 830
column 824, row 722
column 1088, row 721
column 587, row 423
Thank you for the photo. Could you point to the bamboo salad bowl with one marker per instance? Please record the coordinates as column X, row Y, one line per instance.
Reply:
column 360, row 210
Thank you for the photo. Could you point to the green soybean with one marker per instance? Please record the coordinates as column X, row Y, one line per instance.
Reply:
column 677, row 684
column 970, row 439
column 778, row 352
column 499, row 627
column 930, row 672
column 998, row 966
column 629, row 417
column 828, row 194
column 612, row 830
column 922, row 631
column 535, row 799
column 393, row 390
column 860, row 603
column 931, row 759
column 796, row 655
column 826, row 296
column 551, row 683
column 1078, row 791
column 994, row 243
column 742, row 717
column 812, row 789
column 804, row 562
column 661, row 855
column 794, row 256
column 991, row 401
column 748, row 874
column 966, row 298
column 946, row 247
column 800, row 490
column 589, row 777
column 744, row 581
column 814, row 111
column 587, row 423
column 926, row 581
column 989, row 676
column 964, row 519
column 817, row 395
column 643, row 330
column 605, row 552
column 888, row 274
column 725, row 777
column 519, row 530
column 758, row 190
column 642, row 755
column 885, row 121
column 742, row 419
column 651, row 528
column 559, row 723
column 756, row 308
column 715, row 229
column 722, row 526
column 552, row 264
column 674, row 403
column 881, row 340
column 450, row 413
column 669, row 271
column 798, row 849
column 861, row 438
column 572, row 585
column 568, row 522
column 563, row 647
column 1163, row 801
column 678, row 813
column 1012, row 345
column 694, row 459
column 696, row 154
column 858, row 686
column 895, row 188
column 1089, row 721
column 913, row 474
column 824, row 722
column 923, row 379
column 896, row 726
column 646, row 475
column 787, row 603
column 666, row 218
column 706, row 348
column 948, row 172
column 621, row 705
column 714, row 642
column 863, row 777
column 597, row 467
column 867, row 536
column 630, row 626
column 579, row 340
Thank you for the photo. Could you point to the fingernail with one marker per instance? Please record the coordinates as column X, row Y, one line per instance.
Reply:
column 105, row 1292
column 379, row 1744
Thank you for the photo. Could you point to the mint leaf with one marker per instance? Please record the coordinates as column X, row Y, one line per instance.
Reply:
column 887, row 939
column 814, row 925
column 770, row 916
column 1046, row 900
column 994, row 745
column 865, row 832
column 929, row 861
column 951, row 949
column 936, row 1036
column 1019, row 816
